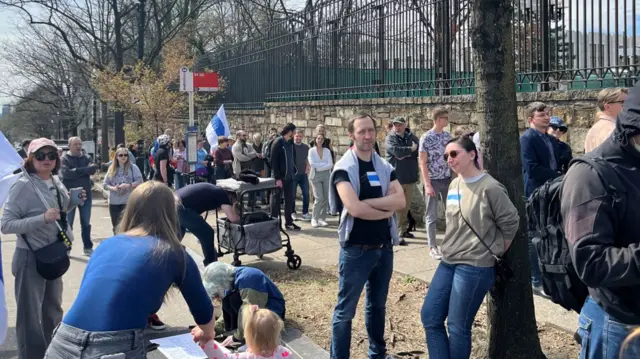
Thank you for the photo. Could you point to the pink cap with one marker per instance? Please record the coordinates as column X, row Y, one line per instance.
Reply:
column 40, row 143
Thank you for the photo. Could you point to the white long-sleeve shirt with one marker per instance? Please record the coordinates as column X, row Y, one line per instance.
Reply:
column 320, row 164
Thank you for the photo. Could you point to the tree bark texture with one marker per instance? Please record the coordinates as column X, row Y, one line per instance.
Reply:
column 512, row 330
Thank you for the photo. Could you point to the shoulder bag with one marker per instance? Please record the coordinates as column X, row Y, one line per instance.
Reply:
column 52, row 261
column 503, row 270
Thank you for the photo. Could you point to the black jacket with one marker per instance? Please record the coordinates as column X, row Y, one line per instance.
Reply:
column 279, row 159
column 565, row 155
column 399, row 147
column 603, row 239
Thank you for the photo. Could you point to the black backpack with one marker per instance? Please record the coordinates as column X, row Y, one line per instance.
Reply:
column 559, row 278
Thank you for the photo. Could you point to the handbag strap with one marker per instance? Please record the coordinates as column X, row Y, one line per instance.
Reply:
column 63, row 217
column 471, row 228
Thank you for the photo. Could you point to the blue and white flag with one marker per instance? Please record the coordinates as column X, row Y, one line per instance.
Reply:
column 217, row 127
column 10, row 161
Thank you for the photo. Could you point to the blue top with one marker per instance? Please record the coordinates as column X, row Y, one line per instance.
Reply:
column 202, row 155
column 124, row 283
column 254, row 279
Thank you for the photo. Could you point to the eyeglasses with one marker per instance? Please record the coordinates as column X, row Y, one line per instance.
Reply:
column 452, row 154
column 561, row 128
column 41, row 156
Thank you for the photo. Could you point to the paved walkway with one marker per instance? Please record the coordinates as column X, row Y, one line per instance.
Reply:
column 318, row 248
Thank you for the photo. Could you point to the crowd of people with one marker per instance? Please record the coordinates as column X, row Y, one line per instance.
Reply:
column 153, row 203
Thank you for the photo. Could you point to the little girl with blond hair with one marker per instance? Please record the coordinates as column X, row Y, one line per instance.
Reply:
column 262, row 329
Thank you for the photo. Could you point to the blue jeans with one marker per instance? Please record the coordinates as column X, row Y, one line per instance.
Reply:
column 536, row 276
column 602, row 336
column 456, row 293
column 302, row 180
column 179, row 180
column 85, row 221
column 356, row 268
column 193, row 221
column 71, row 342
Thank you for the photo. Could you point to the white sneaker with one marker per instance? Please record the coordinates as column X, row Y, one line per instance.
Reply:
column 294, row 217
column 435, row 253
column 322, row 223
column 306, row 217
column 314, row 223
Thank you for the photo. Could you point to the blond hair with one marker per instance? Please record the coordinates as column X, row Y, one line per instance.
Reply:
column 610, row 95
column 262, row 329
column 113, row 169
column 151, row 211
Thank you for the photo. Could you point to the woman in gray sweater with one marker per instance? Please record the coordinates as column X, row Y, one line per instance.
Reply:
column 38, row 300
column 122, row 177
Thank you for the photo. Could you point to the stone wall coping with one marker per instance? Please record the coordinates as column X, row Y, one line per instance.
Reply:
column 549, row 96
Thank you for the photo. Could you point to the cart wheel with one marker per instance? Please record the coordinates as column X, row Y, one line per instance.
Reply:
column 294, row 262
column 236, row 263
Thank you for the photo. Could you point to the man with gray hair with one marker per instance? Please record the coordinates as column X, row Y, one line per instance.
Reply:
column 238, row 287
column 76, row 171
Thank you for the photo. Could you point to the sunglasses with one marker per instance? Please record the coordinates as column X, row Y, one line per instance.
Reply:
column 41, row 156
column 555, row 128
column 123, row 155
column 452, row 154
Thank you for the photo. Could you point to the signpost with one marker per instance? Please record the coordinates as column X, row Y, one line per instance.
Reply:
column 191, row 82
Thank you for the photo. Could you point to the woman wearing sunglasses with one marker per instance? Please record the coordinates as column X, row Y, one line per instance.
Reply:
column 122, row 177
column 38, row 300
column 481, row 222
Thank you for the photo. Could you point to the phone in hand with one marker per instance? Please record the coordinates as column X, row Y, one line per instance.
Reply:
column 75, row 195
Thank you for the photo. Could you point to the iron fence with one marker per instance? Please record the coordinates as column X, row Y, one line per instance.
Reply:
column 353, row 49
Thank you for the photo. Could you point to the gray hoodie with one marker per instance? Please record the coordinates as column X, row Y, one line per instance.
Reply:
column 75, row 172
column 24, row 212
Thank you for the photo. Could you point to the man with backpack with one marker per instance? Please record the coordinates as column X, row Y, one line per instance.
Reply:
column 601, row 228
column 539, row 155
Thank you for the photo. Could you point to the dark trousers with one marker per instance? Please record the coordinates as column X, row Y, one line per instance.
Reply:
column 289, row 201
column 191, row 220
column 231, row 304
column 115, row 212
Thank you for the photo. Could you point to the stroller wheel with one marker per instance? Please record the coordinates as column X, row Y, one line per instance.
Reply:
column 294, row 262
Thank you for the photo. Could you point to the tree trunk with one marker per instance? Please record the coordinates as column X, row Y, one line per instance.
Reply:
column 512, row 324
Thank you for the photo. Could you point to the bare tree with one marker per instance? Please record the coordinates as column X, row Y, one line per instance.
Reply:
column 48, row 76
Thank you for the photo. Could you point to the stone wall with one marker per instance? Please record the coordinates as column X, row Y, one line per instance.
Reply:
column 576, row 108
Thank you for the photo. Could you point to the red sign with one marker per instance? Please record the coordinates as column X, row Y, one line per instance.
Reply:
column 205, row 81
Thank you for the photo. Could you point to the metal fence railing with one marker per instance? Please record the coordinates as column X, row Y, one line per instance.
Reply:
column 354, row 49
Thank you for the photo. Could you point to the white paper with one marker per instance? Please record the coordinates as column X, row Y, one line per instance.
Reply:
column 179, row 347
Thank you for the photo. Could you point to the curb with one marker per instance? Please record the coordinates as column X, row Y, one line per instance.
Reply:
column 299, row 344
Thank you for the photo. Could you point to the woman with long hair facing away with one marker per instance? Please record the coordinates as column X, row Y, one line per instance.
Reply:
column 127, row 278
column 38, row 294
column 262, row 329
column 321, row 163
column 481, row 223
column 121, row 179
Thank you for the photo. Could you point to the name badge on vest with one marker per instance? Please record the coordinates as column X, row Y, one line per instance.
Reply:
column 374, row 180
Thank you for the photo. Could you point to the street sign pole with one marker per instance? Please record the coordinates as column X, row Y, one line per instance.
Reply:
column 191, row 82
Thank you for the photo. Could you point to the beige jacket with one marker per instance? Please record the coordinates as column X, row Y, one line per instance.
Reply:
column 599, row 132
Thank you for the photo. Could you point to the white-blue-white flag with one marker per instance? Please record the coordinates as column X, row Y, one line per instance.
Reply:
column 217, row 127
column 10, row 161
